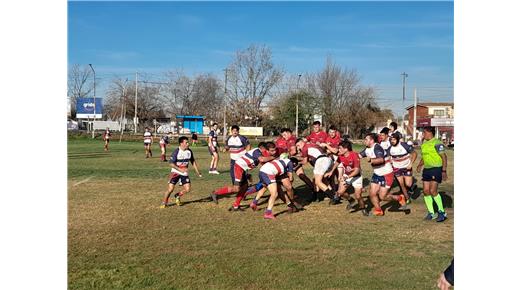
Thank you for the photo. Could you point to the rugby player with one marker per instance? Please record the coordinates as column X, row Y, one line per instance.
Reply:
column 349, row 174
column 148, row 140
column 318, row 158
column 435, row 161
column 165, row 140
column 393, row 128
column 106, row 138
column 403, row 157
column 272, row 175
column 213, row 149
column 383, row 175
column 179, row 173
column 317, row 136
column 264, row 153
column 384, row 138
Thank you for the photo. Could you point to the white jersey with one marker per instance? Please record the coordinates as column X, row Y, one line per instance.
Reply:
column 377, row 151
column 181, row 158
column 237, row 146
column 401, row 155
column 277, row 167
column 147, row 137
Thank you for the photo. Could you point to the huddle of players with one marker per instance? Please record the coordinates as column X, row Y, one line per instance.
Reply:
column 335, row 167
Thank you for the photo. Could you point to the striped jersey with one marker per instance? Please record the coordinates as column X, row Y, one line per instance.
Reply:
column 250, row 160
column 277, row 167
column 401, row 155
column 181, row 159
column 237, row 146
column 107, row 135
column 147, row 137
column 377, row 151
column 164, row 140
column 313, row 152
column 213, row 141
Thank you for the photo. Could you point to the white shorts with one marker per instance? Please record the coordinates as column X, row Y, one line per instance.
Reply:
column 356, row 181
column 322, row 166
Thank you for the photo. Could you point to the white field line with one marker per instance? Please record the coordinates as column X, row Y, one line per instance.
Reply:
column 83, row 181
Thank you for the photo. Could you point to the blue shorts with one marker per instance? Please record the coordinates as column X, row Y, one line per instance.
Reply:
column 432, row 174
column 402, row 172
column 212, row 151
column 175, row 177
column 267, row 179
column 385, row 180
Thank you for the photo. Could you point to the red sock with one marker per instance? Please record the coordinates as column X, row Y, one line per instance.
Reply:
column 238, row 199
column 224, row 190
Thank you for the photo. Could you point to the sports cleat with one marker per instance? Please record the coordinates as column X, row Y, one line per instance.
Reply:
column 350, row 205
column 430, row 217
column 365, row 212
column 253, row 206
column 402, row 200
column 335, row 200
column 441, row 217
column 178, row 201
column 291, row 208
column 235, row 209
column 379, row 212
column 214, row 197
column 297, row 205
column 215, row 172
column 163, row 205
column 269, row 215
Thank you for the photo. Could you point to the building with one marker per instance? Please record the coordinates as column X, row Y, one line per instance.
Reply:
column 438, row 115
column 193, row 123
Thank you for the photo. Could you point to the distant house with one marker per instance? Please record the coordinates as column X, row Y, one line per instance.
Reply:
column 439, row 115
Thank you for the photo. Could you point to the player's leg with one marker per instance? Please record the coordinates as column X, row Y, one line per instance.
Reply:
column 408, row 181
column 254, row 204
column 289, row 196
column 428, row 200
column 438, row 201
column 167, row 193
column 374, row 199
column 215, row 162
column 301, row 174
column 270, row 204
column 357, row 195
column 186, row 186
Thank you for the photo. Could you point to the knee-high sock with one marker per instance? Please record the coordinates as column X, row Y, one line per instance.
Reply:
column 428, row 200
column 438, row 201
column 224, row 190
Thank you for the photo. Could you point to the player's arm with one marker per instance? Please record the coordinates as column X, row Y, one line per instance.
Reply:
column 380, row 156
column 290, row 175
column 196, row 167
column 330, row 148
column 420, row 165
column 444, row 166
column 334, row 167
column 355, row 172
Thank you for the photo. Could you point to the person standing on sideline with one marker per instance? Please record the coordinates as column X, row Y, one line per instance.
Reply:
column 148, row 140
column 435, row 161
column 213, row 149
column 106, row 138
column 194, row 139
column 165, row 140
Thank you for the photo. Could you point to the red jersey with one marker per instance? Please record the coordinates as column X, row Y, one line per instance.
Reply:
column 314, row 137
column 283, row 146
column 312, row 151
column 350, row 162
column 333, row 142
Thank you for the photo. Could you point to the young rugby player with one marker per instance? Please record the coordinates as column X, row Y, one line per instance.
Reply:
column 106, row 138
column 213, row 149
column 317, row 157
column 148, row 140
column 403, row 157
column 165, row 140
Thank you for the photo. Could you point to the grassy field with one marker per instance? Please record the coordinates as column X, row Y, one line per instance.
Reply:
column 119, row 238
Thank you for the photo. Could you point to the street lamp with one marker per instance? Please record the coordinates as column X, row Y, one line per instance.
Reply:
column 94, row 99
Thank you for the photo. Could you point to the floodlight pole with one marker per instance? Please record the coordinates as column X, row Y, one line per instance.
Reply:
column 297, row 93
column 94, row 99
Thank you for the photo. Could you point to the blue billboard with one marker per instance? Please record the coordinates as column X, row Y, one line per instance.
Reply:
column 85, row 108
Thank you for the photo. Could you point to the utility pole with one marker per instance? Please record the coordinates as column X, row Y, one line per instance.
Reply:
column 414, row 114
column 225, row 106
column 405, row 75
column 297, row 94
column 123, row 115
column 94, row 99
column 135, row 105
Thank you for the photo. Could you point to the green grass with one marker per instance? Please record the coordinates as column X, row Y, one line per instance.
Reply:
column 120, row 239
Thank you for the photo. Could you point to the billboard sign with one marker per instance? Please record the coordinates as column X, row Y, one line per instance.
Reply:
column 85, row 108
column 442, row 122
column 250, row 131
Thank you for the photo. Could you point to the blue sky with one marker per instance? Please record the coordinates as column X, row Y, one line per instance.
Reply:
column 378, row 39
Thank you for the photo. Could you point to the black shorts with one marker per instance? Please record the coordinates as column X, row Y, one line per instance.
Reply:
column 146, row 144
column 212, row 151
column 432, row 174
column 107, row 140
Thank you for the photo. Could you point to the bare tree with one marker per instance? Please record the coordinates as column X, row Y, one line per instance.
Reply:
column 251, row 76
column 79, row 85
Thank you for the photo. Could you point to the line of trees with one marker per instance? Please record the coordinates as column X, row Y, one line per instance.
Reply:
column 259, row 93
